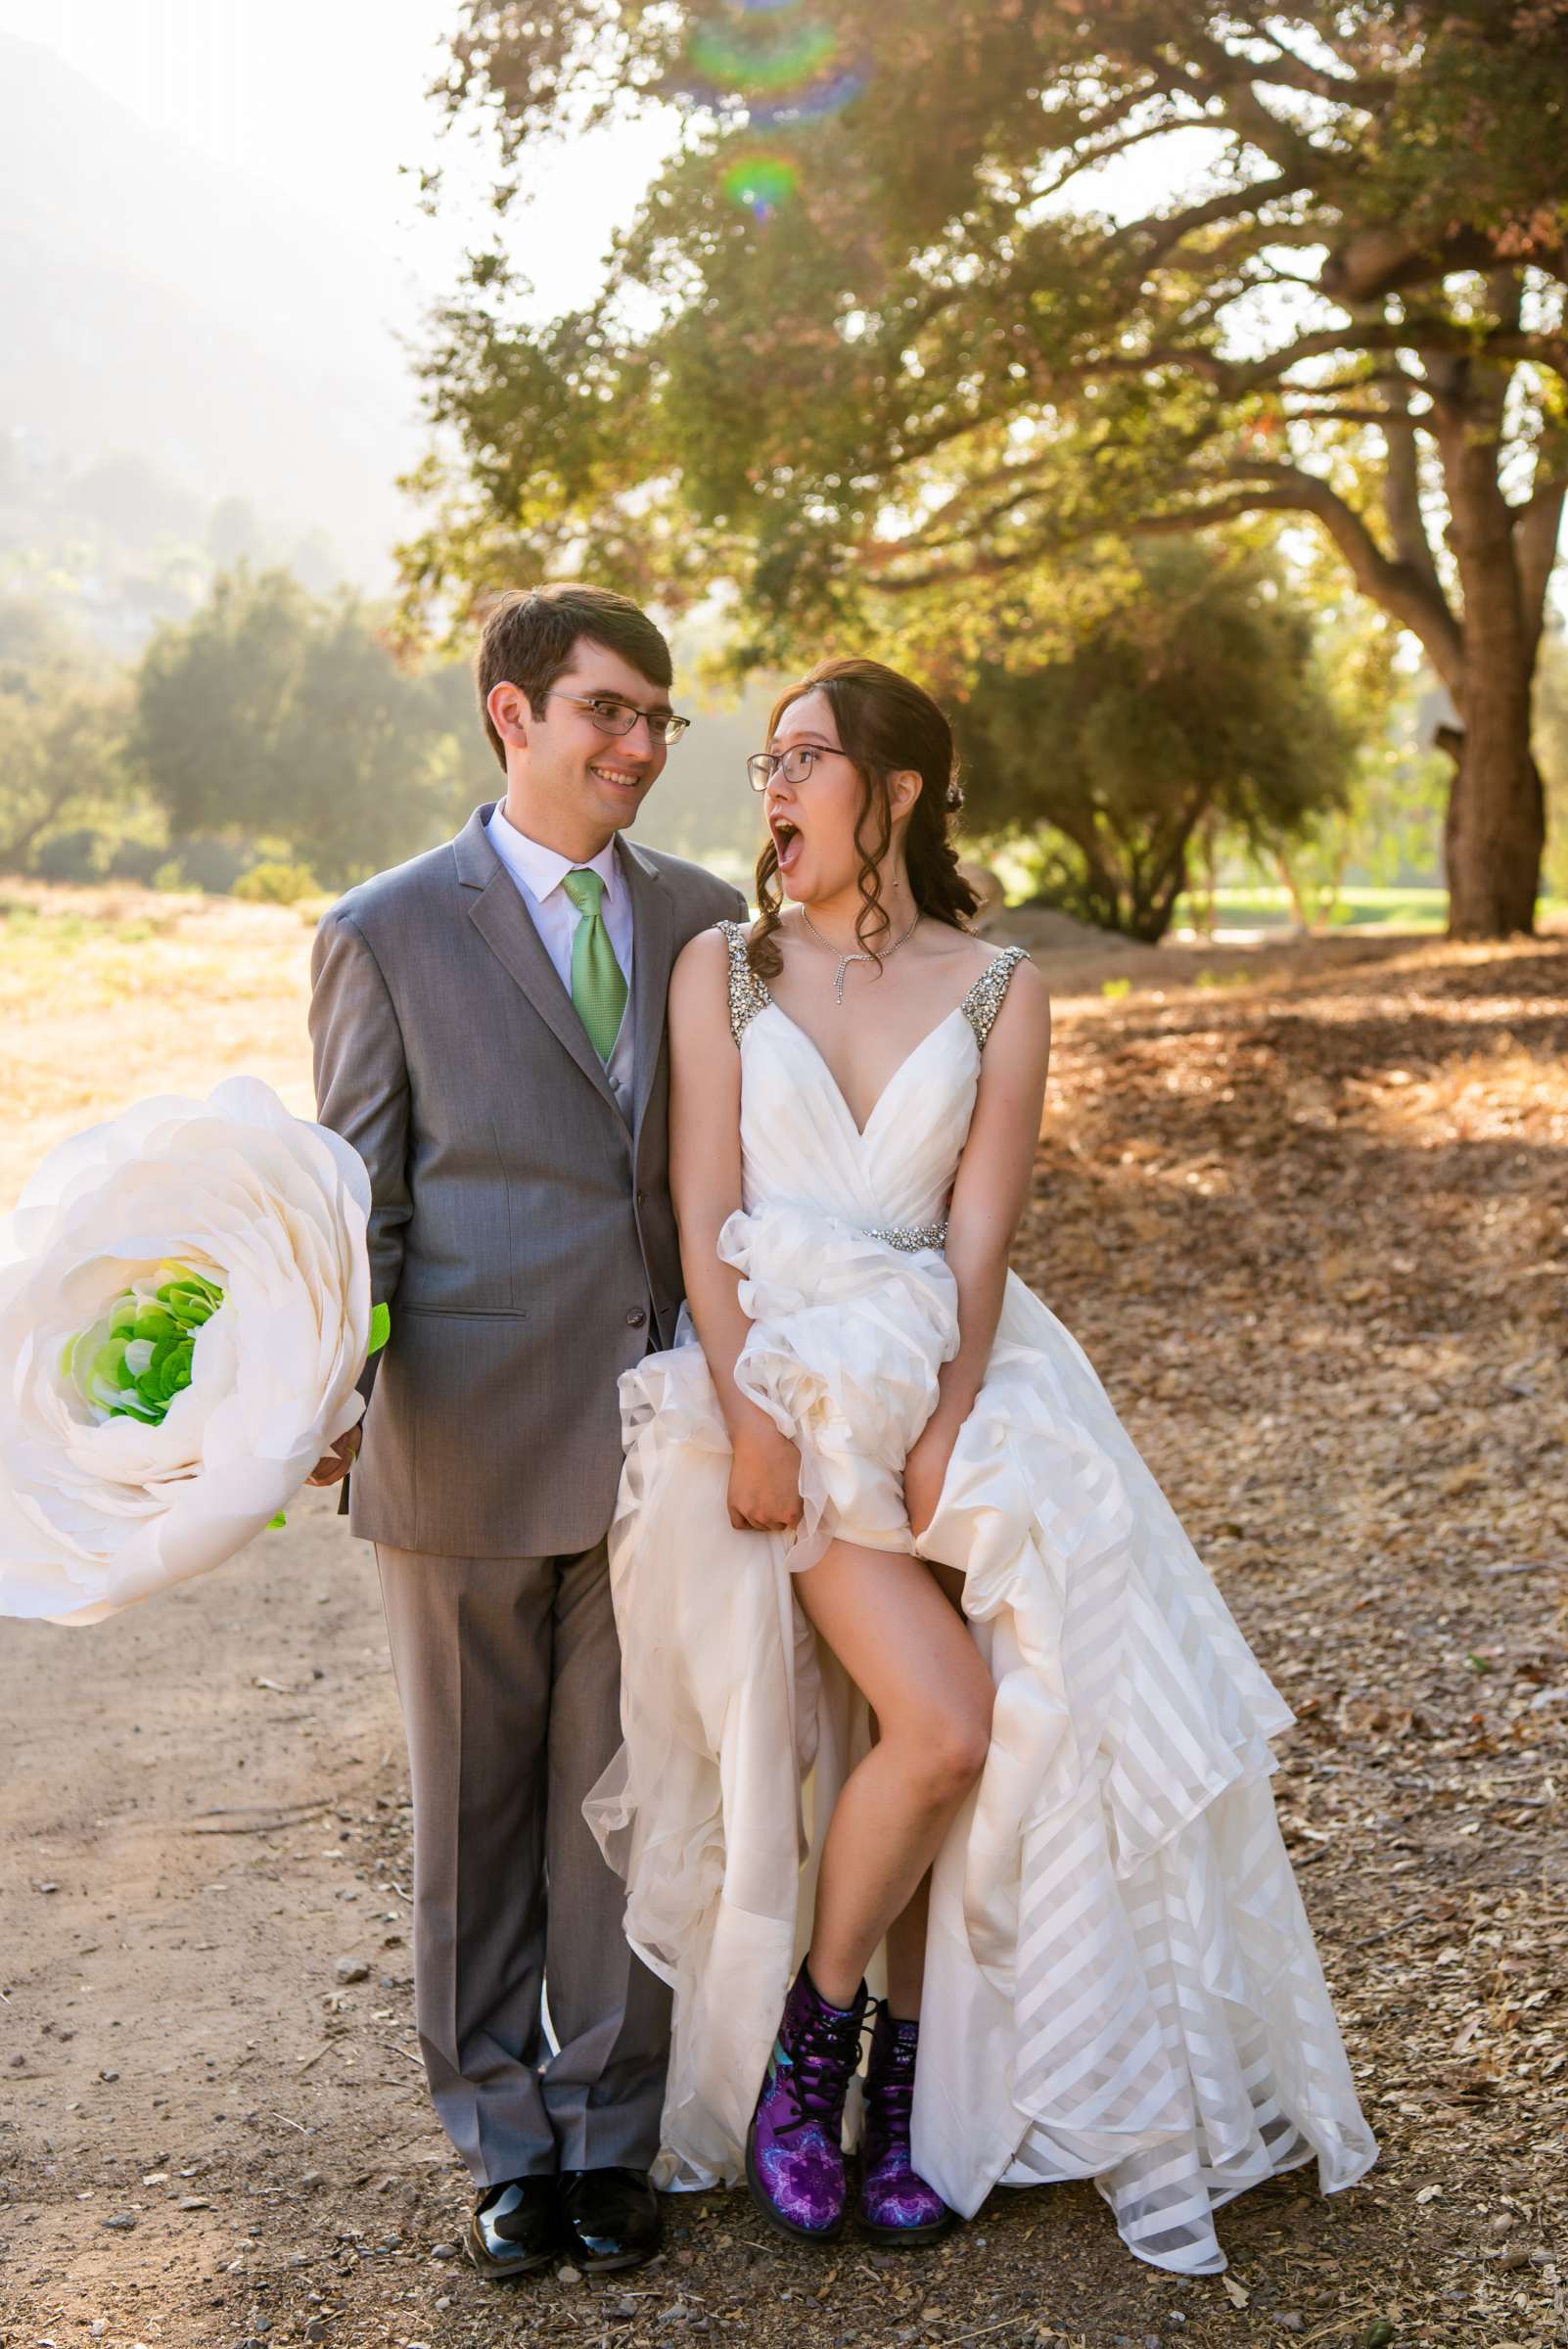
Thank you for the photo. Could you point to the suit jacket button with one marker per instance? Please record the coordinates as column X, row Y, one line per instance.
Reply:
column 638, row 1316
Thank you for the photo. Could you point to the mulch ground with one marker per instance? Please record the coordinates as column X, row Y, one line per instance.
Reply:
column 1313, row 1232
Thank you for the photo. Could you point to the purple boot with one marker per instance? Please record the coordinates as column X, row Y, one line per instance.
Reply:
column 896, row 2206
column 793, row 2146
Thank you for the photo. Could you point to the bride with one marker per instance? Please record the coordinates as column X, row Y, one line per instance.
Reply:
column 920, row 1673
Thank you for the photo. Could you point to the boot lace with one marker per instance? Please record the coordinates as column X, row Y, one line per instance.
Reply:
column 890, row 2091
column 820, row 2054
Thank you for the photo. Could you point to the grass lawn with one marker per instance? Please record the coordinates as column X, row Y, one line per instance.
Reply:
column 1406, row 907
column 1263, row 908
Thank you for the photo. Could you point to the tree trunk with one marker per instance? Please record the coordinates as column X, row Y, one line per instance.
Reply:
column 1207, row 921
column 1292, row 889
column 1495, row 827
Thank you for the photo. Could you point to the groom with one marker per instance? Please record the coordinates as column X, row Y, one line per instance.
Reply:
column 488, row 1029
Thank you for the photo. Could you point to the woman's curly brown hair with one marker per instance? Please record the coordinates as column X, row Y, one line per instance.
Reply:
column 886, row 724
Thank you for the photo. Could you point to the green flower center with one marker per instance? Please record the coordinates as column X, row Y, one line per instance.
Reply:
column 136, row 1357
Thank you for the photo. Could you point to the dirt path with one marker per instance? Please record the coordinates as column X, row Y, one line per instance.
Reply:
column 1315, row 1240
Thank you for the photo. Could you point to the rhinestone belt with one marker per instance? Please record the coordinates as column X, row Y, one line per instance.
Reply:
column 910, row 1238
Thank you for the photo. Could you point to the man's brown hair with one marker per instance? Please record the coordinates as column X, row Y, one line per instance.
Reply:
column 530, row 631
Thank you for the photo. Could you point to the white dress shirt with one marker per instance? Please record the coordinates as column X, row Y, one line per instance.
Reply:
column 540, row 872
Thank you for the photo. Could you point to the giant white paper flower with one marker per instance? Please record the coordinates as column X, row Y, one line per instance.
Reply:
column 184, row 1311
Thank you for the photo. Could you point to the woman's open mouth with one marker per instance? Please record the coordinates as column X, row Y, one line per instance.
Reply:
column 786, row 841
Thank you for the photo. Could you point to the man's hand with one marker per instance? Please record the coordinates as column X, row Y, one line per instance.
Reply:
column 335, row 1465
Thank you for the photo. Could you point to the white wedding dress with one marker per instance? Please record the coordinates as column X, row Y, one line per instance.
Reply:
column 1121, row 1982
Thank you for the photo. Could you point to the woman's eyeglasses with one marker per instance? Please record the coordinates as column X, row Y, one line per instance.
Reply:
column 795, row 765
column 613, row 717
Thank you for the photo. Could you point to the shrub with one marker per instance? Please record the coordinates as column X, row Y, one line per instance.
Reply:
column 277, row 885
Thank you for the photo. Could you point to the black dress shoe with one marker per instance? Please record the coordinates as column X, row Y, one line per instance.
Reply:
column 609, row 2219
column 513, row 2229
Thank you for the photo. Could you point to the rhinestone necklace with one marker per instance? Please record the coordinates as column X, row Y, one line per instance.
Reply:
column 845, row 960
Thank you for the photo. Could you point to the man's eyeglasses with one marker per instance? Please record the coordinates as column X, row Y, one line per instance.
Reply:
column 613, row 717
column 795, row 764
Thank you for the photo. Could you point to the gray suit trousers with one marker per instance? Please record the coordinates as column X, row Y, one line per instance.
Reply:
column 508, row 1672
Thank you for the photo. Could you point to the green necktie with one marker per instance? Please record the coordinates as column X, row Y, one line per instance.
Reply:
column 598, row 982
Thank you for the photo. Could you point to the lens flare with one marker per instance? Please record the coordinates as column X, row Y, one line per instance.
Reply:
column 828, row 97
column 763, row 65
column 787, row 69
column 761, row 184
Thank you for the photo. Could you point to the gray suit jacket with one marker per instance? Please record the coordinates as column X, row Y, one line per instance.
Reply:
column 521, row 1229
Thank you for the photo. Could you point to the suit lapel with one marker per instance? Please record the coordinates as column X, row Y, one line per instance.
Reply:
column 496, row 909
column 653, row 937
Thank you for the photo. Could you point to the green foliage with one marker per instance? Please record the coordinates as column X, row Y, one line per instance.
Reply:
column 275, row 884
column 1488, row 94
column 32, row 638
column 1200, row 703
column 911, row 368
column 211, row 697
column 873, row 363
column 1387, row 824
column 274, row 714
column 62, row 733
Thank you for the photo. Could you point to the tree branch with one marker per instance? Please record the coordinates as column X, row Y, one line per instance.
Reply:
column 1166, row 233
column 1360, row 381
column 1388, row 420
column 1366, row 91
column 1017, row 481
column 1373, row 262
column 1270, row 276
column 1406, row 590
column 877, row 560
column 1078, row 161
column 1283, row 488
column 1403, row 588
column 1234, row 379
column 1402, row 493
column 1236, row 81
column 1495, row 345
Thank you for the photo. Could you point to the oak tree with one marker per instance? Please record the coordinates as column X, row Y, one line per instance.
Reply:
column 1194, row 706
column 870, row 350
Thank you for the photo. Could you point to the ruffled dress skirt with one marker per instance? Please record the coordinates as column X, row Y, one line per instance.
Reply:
column 1121, row 1981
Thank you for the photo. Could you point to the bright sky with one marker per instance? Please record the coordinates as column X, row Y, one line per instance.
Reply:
column 324, row 100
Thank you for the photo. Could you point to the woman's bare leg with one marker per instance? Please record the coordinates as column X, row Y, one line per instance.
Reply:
column 913, row 1658
column 906, row 1935
column 907, row 1954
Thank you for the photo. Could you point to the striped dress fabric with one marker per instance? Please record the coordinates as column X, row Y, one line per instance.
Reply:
column 1121, row 1979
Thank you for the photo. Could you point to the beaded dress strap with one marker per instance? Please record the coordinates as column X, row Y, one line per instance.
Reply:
column 984, row 999
column 747, row 993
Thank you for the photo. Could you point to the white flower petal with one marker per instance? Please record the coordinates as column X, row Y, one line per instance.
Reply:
column 96, row 1512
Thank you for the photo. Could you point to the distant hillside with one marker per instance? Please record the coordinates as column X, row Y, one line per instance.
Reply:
column 161, row 309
